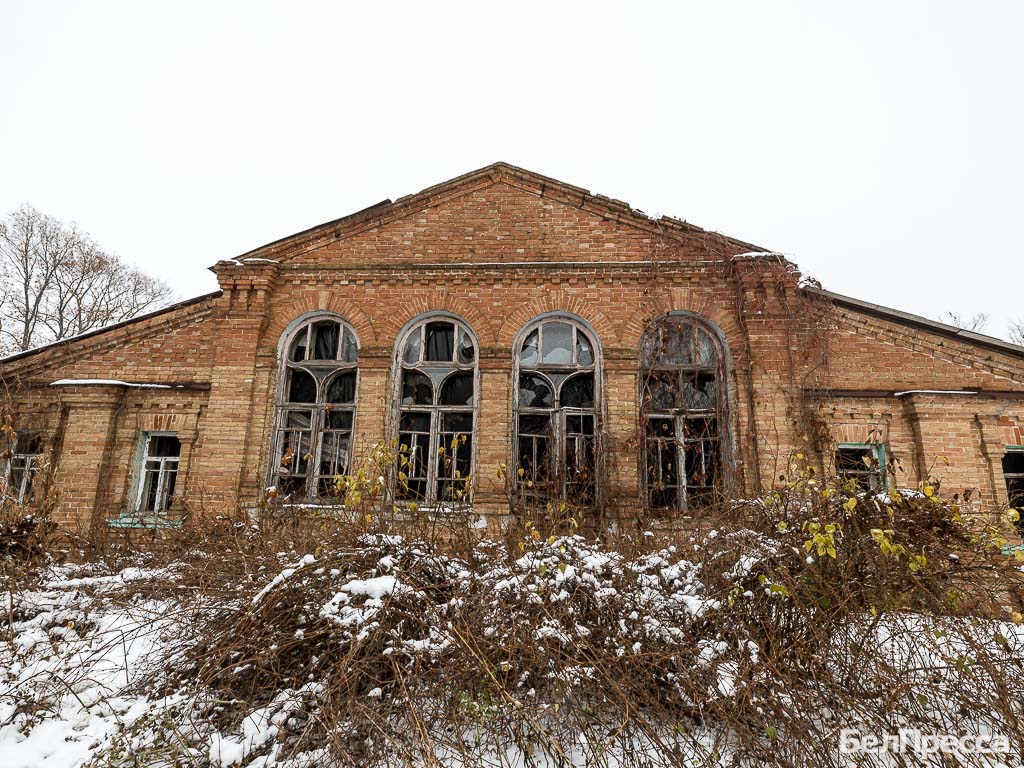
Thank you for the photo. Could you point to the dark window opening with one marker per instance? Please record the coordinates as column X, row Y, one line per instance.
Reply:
column 313, row 438
column 437, row 370
column 159, row 474
column 556, row 413
column 1013, row 472
column 863, row 464
column 22, row 466
column 683, row 409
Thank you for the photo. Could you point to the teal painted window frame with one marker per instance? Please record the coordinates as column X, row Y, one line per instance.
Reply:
column 130, row 516
column 879, row 453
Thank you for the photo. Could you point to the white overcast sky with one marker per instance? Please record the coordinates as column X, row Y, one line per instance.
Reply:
column 880, row 145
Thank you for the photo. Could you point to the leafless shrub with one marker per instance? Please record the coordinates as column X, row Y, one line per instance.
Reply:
column 808, row 610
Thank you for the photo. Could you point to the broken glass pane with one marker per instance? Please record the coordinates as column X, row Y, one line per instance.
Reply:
column 326, row 347
column 440, row 342
column 457, row 389
column 416, row 389
column 534, row 392
column 342, row 388
column 412, row 347
column 301, row 387
column 299, row 346
column 661, row 391
column 528, row 357
column 467, row 352
column 584, row 353
column 578, row 392
column 557, row 344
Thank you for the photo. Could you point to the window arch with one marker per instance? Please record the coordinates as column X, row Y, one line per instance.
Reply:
column 316, row 405
column 683, row 412
column 556, row 407
column 436, row 385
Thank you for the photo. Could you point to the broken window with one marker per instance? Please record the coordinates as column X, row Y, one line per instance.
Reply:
column 863, row 463
column 24, row 455
column 158, row 473
column 1013, row 472
column 436, row 383
column 316, row 408
column 556, row 411
column 682, row 413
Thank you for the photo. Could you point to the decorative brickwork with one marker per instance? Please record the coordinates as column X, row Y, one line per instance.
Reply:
column 498, row 248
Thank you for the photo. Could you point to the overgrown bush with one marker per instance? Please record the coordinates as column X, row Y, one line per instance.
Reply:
column 810, row 610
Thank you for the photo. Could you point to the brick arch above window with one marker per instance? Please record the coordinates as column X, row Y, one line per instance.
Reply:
column 724, row 322
column 604, row 330
column 440, row 301
column 301, row 308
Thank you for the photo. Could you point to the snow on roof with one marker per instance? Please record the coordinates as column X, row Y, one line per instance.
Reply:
column 106, row 383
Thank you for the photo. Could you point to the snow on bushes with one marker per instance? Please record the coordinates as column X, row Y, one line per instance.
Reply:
column 753, row 644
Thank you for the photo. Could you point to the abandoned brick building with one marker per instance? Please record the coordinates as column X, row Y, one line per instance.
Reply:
column 514, row 334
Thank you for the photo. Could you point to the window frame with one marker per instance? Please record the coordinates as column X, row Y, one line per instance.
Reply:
column 878, row 452
column 439, row 372
column 25, row 493
column 722, row 412
column 324, row 372
column 162, row 474
column 1009, row 477
column 558, row 484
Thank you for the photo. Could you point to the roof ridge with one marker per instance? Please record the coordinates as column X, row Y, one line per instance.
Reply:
column 402, row 206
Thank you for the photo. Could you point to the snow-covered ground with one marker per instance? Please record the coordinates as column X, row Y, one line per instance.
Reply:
column 83, row 651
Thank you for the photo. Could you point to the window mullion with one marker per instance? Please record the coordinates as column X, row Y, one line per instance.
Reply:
column 432, row 456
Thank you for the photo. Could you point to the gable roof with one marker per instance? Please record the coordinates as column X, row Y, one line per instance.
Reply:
column 386, row 211
column 923, row 323
column 170, row 308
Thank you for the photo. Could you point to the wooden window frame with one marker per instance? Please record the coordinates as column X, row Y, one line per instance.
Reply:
column 557, row 485
column 680, row 416
column 323, row 371
column 878, row 472
column 439, row 373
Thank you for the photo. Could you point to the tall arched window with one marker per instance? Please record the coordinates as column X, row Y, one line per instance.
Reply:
column 316, row 406
column 436, row 396
column 683, row 412
column 556, row 409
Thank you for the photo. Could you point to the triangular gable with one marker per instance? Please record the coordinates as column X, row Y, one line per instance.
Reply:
column 388, row 211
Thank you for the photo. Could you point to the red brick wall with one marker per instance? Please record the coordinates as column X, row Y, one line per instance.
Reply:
column 497, row 251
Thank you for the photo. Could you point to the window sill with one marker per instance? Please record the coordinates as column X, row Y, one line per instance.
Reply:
column 151, row 523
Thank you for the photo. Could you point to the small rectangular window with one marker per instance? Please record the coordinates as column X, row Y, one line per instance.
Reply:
column 158, row 474
column 864, row 463
column 21, row 467
column 1013, row 473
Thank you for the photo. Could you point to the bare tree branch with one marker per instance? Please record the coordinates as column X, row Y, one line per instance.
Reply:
column 975, row 322
column 57, row 282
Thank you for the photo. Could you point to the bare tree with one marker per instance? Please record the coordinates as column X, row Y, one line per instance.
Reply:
column 1017, row 332
column 57, row 282
column 975, row 322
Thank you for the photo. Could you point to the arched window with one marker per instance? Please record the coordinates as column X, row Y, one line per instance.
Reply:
column 316, row 406
column 436, row 395
column 683, row 412
column 556, row 410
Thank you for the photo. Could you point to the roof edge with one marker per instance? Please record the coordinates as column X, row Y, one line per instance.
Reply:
column 917, row 321
column 113, row 326
column 379, row 211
